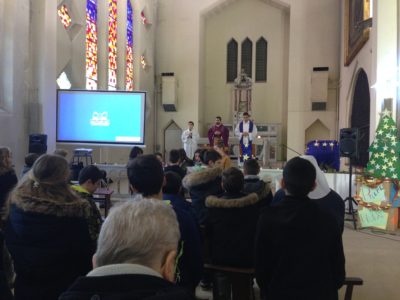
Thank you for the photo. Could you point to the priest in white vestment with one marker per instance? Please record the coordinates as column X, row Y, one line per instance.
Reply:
column 190, row 138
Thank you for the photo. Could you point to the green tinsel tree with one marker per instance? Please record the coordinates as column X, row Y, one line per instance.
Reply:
column 385, row 150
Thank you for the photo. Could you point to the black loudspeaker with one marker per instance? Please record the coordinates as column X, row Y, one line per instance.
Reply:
column 38, row 143
column 349, row 142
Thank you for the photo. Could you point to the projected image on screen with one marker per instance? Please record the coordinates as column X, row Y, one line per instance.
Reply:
column 107, row 117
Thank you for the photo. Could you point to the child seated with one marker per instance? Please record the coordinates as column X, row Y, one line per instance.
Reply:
column 30, row 158
column 253, row 183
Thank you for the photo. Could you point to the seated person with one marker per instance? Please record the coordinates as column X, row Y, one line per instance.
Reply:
column 174, row 163
column 185, row 161
column 135, row 152
column 172, row 191
column 160, row 158
column 197, row 157
column 146, row 178
column 203, row 183
column 135, row 257
column 8, row 178
column 299, row 251
column 89, row 180
column 47, row 233
column 253, row 183
column 232, row 221
column 328, row 200
column 226, row 162
column 30, row 158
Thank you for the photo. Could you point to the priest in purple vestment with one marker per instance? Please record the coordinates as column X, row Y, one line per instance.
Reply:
column 218, row 131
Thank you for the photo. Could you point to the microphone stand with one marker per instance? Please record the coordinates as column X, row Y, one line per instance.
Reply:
column 350, row 200
column 287, row 147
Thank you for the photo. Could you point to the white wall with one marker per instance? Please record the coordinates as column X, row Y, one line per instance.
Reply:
column 239, row 20
column 178, row 51
column 378, row 58
column 313, row 41
column 14, row 77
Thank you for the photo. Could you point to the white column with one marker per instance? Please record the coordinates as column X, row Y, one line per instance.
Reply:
column 44, row 48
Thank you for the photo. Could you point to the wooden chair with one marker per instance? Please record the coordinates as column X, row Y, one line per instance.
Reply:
column 350, row 282
column 103, row 196
column 239, row 282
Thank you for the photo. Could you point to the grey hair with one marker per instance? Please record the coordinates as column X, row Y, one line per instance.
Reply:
column 139, row 231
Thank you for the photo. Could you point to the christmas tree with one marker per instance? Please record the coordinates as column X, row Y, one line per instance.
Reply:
column 385, row 150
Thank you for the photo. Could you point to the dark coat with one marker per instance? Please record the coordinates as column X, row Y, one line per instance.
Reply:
column 261, row 188
column 201, row 185
column 299, row 252
column 50, row 244
column 8, row 181
column 5, row 292
column 177, row 169
column 332, row 203
column 94, row 218
column 124, row 287
column 231, row 228
column 190, row 264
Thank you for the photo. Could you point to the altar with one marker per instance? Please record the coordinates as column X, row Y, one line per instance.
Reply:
column 265, row 148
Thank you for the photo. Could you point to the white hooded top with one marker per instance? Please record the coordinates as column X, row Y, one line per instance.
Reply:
column 322, row 188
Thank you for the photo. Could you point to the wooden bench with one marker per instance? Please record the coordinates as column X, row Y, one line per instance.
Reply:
column 103, row 196
column 350, row 282
column 239, row 282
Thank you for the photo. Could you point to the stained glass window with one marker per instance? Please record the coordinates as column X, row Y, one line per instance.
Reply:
column 129, row 47
column 247, row 57
column 231, row 61
column 112, row 44
column 91, row 45
column 64, row 16
column 261, row 60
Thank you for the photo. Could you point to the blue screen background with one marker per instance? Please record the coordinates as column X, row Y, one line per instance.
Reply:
column 76, row 108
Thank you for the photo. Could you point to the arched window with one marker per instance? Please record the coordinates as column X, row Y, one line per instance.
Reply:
column 129, row 47
column 261, row 60
column 91, row 45
column 112, row 44
column 231, row 61
column 247, row 56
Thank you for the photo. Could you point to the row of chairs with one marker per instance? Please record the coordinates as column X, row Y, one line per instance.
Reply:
column 237, row 283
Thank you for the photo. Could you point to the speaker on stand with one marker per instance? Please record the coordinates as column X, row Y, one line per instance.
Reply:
column 38, row 143
column 348, row 142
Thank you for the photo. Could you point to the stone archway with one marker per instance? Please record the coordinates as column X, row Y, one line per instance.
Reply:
column 360, row 116
column 172, row 138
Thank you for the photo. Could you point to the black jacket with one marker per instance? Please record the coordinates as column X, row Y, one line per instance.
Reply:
column 190, row 264
column 261, row 188
column 201, row 185
column 5, row 292
column 334, row 205
column 231, row 228
column 8, row 181
column 177, row 169
column 299, row 252
column 50, row 244
column 124, row 287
